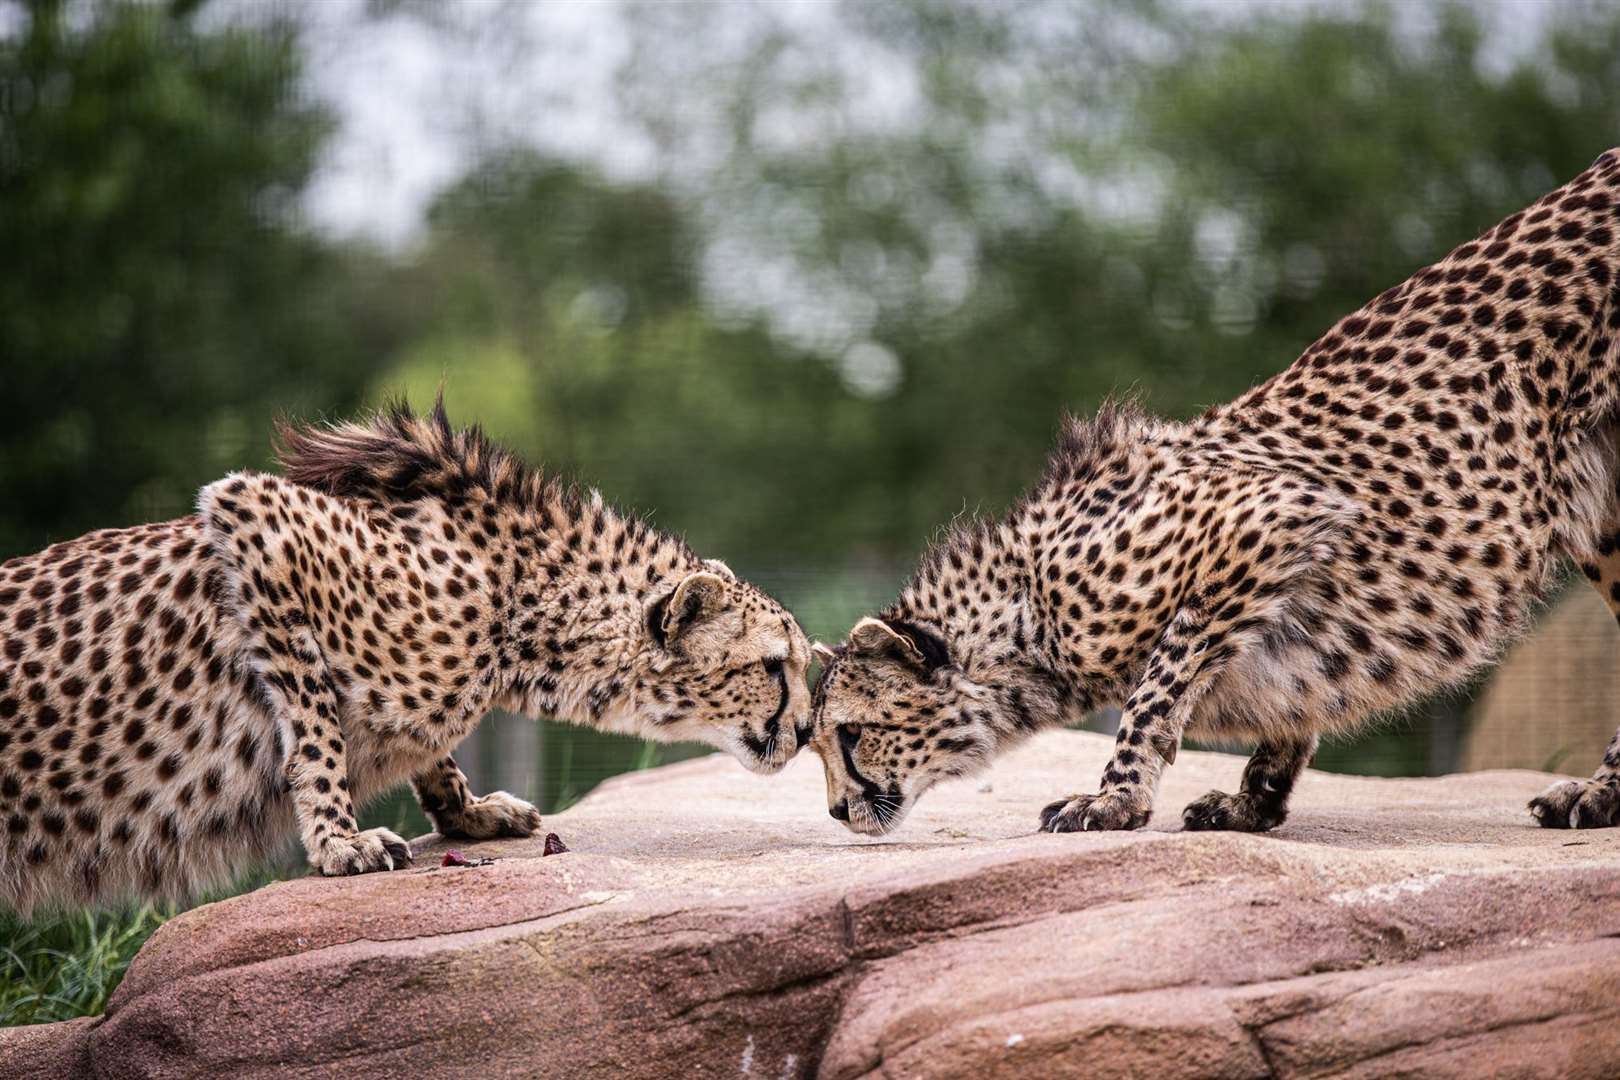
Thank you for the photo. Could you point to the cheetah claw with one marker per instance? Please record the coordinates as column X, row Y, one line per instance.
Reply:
column 1094, row 813
column 363, row 853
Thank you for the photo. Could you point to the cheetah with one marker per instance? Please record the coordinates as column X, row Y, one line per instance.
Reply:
column 178, row 699
column 1368, row 526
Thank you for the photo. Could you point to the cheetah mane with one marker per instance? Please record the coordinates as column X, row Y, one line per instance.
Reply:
column 1087, row 448
column 1084, row 447
column 397, row 456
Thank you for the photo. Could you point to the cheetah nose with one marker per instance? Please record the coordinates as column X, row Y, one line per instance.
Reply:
column 840, row 811
column 804, row 734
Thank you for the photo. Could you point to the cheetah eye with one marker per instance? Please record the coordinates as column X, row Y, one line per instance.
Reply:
column 773, row 668
column 849, row 736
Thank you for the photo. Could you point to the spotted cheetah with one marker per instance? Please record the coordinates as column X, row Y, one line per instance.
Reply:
column 1366, row 527
column 176, row 698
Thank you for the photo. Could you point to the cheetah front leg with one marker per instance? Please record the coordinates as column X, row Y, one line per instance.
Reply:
column 1149, row 733
column 317, row 767
column 318, row 774
column 266, row 567
column 1583, row 804
column 442, row 791
column 1262, row 802
column 1277, row 534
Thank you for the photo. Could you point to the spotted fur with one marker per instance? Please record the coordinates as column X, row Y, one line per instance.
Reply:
column 1366, row 527
column 177, row 699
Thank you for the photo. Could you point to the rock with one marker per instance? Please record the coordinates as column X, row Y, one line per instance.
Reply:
column 712, row 923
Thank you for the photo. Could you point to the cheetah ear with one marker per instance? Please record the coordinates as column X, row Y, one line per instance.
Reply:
column 874, row 637
column 717, row 567
column 825, row 653
column 697, row 598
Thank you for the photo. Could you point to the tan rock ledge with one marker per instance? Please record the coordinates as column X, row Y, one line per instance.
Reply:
column 713, row 923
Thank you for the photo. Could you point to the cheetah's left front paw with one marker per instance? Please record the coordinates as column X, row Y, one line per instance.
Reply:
column 495, row 814
column 1115, row 809
column 1578, row 804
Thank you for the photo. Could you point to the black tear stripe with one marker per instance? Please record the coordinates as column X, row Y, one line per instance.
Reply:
column 847, row 741
column 754, row 742
column 780, row 675
column 655, row 620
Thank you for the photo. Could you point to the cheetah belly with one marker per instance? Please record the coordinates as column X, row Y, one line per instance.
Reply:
column 1277, row 695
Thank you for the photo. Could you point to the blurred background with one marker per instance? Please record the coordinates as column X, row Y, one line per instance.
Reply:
column 801, row 280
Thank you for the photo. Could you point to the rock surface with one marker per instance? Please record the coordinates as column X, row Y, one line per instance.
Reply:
column 712, row 923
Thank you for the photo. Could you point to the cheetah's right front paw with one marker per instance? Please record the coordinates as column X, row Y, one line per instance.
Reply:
column 374, row 849
column 1578, row 804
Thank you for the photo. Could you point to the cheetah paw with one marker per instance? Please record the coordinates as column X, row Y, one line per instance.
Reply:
column 1236, row 813
column 495, row 814
column 374, row 849
column 1578, row 804
column 1095, row 813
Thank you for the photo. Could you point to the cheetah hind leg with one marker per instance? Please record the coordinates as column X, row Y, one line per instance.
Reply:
column 1261, row 803
column 443, row 793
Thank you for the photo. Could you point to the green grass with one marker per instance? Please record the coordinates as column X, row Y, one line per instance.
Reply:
column 66, row 966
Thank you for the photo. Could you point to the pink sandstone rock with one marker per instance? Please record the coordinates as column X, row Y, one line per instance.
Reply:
column 712, row 923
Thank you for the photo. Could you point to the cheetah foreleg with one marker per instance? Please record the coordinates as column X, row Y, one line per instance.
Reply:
column 264, row 587
column 1583, row 804
column 442, row 791
column 1593, row 803
column 1262, row 802
column 1149, row 734
column 317, row 774
column 317, row 769
column 1279, row 532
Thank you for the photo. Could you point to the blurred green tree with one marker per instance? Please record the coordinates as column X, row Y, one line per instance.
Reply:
column 567, row 317
column 1027, row 206
column 158, row 299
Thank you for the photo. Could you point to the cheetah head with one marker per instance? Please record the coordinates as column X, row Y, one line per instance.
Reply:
column 893, row 716
column 727, row 667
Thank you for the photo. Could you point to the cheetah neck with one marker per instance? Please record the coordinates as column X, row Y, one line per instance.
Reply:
column 984, row 605
column 581, row 578
column 1005, row 596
